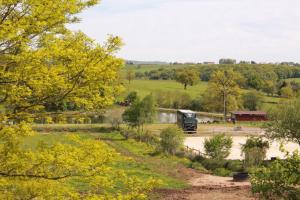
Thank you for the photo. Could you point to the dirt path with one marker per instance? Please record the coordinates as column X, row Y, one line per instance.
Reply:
column 209, row 187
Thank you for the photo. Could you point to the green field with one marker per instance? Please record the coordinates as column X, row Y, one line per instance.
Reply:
column 145, row 87
column 297, row 80
column 136, row 158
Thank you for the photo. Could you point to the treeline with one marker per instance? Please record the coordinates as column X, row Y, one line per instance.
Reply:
column 259, row 77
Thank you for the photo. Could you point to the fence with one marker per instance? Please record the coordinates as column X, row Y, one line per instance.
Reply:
column 193, row 152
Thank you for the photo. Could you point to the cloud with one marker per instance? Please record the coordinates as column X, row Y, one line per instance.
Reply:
column 198, row 30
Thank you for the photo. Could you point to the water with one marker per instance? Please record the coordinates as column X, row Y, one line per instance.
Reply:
column 171, row 118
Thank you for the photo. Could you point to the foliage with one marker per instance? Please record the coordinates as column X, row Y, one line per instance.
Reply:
column 140, row 112
column 224, row 84
column 218, row 147
column 280, row 180
column 131, row 97
column 130, row 75
column 43, row 63
column 171, row 140
column 187, row 77
column 285, row 122
column 255, row 150
column 222, row 172
column 252, row 100
column 287, row 92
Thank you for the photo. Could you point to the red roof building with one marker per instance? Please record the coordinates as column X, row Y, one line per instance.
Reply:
column 248, row 116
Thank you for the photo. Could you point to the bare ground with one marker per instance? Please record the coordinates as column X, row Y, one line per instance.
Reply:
column 207, row 187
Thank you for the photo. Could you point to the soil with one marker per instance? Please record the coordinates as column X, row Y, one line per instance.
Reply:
column 207, row 187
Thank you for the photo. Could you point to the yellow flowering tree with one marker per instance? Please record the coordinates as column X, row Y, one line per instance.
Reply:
column 42, row 62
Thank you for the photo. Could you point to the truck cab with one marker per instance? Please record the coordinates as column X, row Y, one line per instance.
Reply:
column 187, row 120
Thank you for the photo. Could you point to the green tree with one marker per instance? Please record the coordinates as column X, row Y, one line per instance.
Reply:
column 140, row 112
column 285, row 122
column 218, row 147
column 252, row 100
column 254, row 150
column 41, row 63
column 224, row 84
column 287, row 92
column 171, row 140
column 187, row 77
column 130, row 75
column 131, row 97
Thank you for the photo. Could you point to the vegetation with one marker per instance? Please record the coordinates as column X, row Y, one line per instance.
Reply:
column 285, row 122
column 218, row 147
column 171, row 140
column 43, row 63
column 224, row 84
column 140, row 112
column 252, row 100
column 280, row 180
column 255, row 151
column 187, row 77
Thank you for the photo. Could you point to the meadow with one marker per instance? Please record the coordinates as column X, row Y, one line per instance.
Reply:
column 145, row 87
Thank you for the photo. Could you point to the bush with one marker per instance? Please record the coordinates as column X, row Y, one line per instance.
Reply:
column 280, row 180
column 255, row 151
column 171, row 140
column 199, row 167
column 222, row 172
column 234, row 165
column 212, row 164
column 218, row 147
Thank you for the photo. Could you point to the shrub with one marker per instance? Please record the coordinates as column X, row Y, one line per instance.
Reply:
column 234, row 165
column 199, row 167
column 212, row 164
column 222, row 172
column 280, row 180
column 255, row 151
column 218, row 147
column 171, row 140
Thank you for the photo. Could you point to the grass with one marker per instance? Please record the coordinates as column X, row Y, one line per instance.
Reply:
column 294, row 79
column 136, row 158
column 145, row 87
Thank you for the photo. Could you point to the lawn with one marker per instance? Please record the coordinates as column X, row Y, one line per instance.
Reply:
column 294, row 79
column 145, row 87
column 135, row 158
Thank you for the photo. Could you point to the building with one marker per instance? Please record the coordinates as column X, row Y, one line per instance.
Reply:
column 248, row 116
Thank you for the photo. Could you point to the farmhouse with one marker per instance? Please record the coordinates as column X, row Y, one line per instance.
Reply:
column 248, row 116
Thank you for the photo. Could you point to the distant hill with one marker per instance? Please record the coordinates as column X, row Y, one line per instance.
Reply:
column 135, row 62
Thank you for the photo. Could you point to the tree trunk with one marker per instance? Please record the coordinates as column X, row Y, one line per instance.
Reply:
column 225, row 106
column 185, row 86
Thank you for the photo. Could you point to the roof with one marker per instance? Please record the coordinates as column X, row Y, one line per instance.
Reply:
column 186, row 111
column 249, row 113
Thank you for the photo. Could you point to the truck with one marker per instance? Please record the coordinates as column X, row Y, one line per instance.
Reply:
column 187, row 120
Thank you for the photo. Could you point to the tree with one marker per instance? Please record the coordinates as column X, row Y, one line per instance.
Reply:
column 285, row 122
column 287, row 91
column 130, row 75
column 218, row 147
column 227, row 61
column 140, row 112
column 171, row 140
column 269, row 87
column 224, row 83
column 255, row 150
column 41, row 63
column 187, row 77
column 131, row 97
column 252, row 100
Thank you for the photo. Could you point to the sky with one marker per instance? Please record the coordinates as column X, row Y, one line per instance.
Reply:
column 198, row 30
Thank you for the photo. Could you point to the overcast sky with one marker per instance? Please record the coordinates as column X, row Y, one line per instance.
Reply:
column 198, row 30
